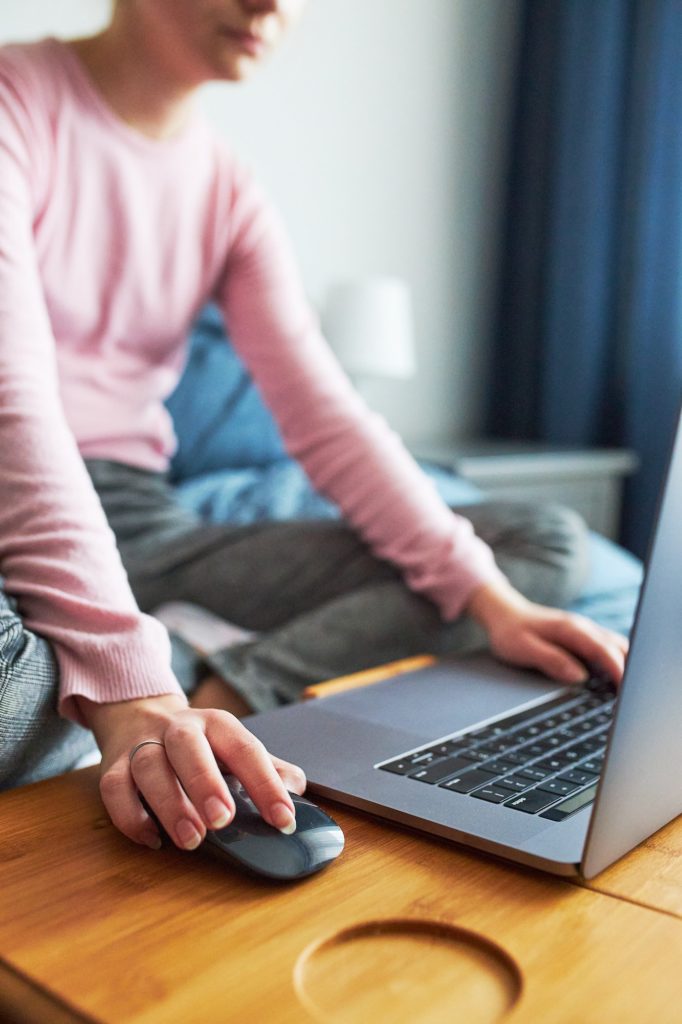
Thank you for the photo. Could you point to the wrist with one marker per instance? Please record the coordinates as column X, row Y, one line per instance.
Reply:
column 493, row 601
column 103, row 717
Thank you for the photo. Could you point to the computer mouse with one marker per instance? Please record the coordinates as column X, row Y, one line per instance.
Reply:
column 250, row 843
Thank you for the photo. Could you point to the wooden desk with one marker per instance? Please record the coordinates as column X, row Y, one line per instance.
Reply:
column 650, row 876
column 94, row 928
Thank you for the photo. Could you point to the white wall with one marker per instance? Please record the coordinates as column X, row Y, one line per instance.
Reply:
column 379, row 130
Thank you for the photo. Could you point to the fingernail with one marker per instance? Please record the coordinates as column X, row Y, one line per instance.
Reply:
column 187, row 834
column 283, row 819
column 217, row 812
column 152, row 840
column 574, row 678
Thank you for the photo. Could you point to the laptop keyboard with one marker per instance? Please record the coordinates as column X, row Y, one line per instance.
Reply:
column 545, row 760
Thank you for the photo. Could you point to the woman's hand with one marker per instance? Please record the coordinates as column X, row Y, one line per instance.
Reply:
column 181, row 780
column 565, row 646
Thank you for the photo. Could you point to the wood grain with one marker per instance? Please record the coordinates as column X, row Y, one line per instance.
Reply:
column 651, row 875
column 125, row 934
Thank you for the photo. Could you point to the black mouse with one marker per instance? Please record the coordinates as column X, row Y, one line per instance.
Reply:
column 249, row 842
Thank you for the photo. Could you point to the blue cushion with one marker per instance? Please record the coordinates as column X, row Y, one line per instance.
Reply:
column 219, row 417
column 250, row 495
column 610, row 594
column 282, row 490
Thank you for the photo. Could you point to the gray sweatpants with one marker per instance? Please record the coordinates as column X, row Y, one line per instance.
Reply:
column 321, row 603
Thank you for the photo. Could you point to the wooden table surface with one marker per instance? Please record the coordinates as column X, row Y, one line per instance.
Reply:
column 650, row 876
column 402, row 928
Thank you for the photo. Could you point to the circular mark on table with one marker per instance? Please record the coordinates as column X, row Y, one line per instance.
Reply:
column 416, row 971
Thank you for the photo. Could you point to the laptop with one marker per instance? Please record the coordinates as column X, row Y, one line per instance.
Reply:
column 566, row 779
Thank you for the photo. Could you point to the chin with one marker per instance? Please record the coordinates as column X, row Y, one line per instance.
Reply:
column 231, row 70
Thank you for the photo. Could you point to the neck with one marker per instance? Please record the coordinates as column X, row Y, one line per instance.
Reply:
column 139, row 82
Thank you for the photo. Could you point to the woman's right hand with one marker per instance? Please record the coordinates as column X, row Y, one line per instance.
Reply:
column 181, row 780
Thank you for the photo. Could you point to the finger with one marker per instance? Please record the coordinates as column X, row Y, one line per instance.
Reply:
column 119, row 796
column 554, row 661
column 594, row 646
column 291, row 775
column 617, row 640
column 156, row 779
column 621, row 642
column 194, row 763
column 246, row 757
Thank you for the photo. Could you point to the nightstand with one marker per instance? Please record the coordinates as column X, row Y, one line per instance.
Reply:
column 588, row 480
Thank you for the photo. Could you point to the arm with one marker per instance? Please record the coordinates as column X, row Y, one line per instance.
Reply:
column 349, row 453
column 59, row 559
column 352, row 456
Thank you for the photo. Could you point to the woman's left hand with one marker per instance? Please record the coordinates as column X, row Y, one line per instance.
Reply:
column 564, row 646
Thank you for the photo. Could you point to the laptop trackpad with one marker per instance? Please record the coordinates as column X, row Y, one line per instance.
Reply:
column 444, row 698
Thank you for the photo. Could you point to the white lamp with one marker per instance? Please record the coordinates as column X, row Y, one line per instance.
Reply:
column 369, row 325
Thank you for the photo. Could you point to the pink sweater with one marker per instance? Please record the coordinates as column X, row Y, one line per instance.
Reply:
column 110, row 243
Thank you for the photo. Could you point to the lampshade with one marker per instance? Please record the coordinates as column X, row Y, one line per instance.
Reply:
column 369, row 325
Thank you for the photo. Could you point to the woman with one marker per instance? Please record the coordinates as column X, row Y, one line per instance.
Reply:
column 120, row 215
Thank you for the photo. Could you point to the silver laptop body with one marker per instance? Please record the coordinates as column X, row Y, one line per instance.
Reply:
column 341, row 741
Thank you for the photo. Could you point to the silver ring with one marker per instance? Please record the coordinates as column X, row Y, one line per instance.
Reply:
column 144, row 743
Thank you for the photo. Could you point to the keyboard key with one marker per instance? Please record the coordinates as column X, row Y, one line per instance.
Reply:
column 559, row 787
column 521, row 736
column 513, row 784
column 530, row 713
column 516, row 756
column 577, row 775
column 492, row 794
column 435, row 773
column 448, row 747
column 535, row 749
column 496, row 746
column 482, row 733
column 531, row 802
column 466, row 782
column 594, row 764
column 569, row 732
column 534, row 773
column 474, row 755
column 581, row 750
column 488, row 732
column 498, row 767
column 570, row 806
column 554, row 763
column 582, row 706
column 401, row 767
column 422, row 757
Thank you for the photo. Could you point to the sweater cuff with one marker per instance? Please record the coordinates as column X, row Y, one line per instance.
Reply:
column 116, row 671
column 452, row 599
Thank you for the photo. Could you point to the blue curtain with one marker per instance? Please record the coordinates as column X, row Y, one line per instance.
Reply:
column 588, row 346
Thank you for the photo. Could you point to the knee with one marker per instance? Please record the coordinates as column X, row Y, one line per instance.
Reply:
column 542, row 548
column 558, row 539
